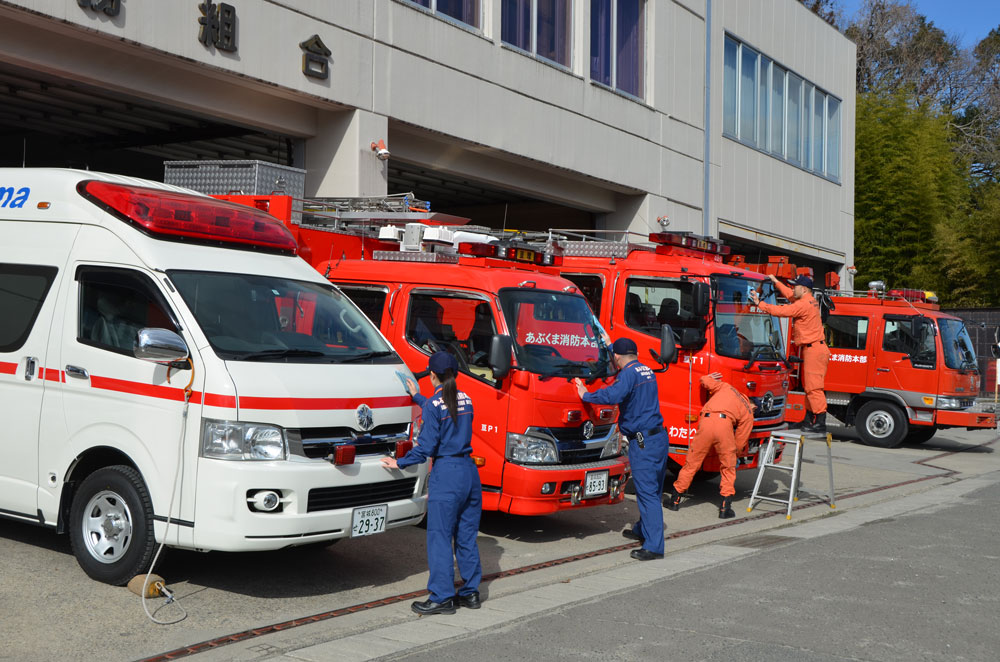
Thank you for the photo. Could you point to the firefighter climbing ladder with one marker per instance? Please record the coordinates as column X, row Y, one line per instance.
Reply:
column 796, row 439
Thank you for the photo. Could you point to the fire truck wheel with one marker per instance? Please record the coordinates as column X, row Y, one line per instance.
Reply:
column 881, row 424
column 111, row 525
column 920, row 435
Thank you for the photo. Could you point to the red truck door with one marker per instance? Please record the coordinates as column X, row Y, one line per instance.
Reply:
column 907, row 357
column 851, row 353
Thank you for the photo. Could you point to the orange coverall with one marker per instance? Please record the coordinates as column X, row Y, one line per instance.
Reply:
column 807, row 333
column 728, row 434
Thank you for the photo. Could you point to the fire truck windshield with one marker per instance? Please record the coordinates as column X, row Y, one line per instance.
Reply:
column 248, row 317
column 555, row 334
column 958, row 351
column 740, row 330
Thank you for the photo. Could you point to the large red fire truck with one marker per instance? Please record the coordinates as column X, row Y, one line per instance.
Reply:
column 539, row 448
column 900, row 369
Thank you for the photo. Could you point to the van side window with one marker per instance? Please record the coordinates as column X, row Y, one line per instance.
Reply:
column 466, row 335
column 22, row 291
column 846, row 332
column 371, row 301
column 114, row 305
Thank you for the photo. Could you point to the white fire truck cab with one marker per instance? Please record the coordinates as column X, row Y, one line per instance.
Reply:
column 150, row 371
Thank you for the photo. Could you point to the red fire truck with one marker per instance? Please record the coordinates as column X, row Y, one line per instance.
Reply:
column 680, row 280
column 539, row 448
column 900, row 369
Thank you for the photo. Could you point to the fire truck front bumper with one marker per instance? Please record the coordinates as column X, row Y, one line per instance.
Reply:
column 544, row 489
column 973, row 420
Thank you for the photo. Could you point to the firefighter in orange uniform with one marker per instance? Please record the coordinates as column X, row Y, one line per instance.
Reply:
column 807, row 333
column 724, row 424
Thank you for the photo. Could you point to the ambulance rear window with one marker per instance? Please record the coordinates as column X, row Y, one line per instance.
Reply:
column 22, row 291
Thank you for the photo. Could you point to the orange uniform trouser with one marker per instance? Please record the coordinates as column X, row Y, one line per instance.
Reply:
column 713, row 432
column 814, row 361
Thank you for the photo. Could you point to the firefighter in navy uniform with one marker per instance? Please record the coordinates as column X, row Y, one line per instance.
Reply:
column 454, row 497
column 640, row 421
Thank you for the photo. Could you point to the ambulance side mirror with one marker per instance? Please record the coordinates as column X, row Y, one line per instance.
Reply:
column 701, row 296
column 500, row 348
column 159, row 346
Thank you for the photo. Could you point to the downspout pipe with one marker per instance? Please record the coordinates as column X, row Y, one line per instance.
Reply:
column 706, row 203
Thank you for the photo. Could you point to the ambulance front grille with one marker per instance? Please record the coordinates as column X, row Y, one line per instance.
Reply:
column 320, row 442
column 353, row 496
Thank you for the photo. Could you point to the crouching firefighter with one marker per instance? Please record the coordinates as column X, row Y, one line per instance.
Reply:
column 724, row 424
column 640, row 421
column 454, row 493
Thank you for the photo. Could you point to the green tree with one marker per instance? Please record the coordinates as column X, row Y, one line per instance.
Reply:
column 909, row 189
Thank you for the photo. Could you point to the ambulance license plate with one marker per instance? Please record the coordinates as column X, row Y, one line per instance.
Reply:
column 595, row 484
column 369, row 520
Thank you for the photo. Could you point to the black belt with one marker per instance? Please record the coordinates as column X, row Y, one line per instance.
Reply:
column 816, row 342
column 438, row 457
column 708, row 414
column 640, row 437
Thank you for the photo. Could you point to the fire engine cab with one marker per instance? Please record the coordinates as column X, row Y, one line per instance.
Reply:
column 900, row 369
column 520, row 334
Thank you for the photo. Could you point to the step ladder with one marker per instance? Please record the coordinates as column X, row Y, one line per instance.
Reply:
column 796, row 439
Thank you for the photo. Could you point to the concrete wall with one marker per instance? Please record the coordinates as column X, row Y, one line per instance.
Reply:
column 458, row 100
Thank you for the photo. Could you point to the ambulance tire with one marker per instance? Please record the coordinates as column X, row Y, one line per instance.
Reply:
column 114, row 496
column 881, row 424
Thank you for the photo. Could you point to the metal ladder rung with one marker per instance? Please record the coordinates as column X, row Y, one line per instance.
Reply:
column 789, row 438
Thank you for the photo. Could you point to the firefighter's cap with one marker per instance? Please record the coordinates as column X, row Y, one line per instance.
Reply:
column 804, row 281
column 441, row 361
column 624, row 346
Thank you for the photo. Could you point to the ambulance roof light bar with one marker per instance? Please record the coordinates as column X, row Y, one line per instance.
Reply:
column 185, row 217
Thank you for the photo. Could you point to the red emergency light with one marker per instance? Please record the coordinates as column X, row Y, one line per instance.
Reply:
column 477, row 249
column 513, row 253
column 185, row 217
column 908, row 294
column 692, row 241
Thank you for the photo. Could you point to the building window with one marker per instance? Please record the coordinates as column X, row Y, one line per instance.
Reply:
column 541, row 27
column 463, row 11
column 771, row 109
column 618, row 44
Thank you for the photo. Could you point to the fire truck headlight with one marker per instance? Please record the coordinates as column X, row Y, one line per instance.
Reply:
column 230, row 440
column 614, row 446
column 531, row 450
column 949, row 403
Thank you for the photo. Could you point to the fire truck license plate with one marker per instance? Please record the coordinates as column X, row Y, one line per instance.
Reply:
column 369, row 520
column 595, row 483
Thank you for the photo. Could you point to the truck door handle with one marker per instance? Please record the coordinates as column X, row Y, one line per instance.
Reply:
column 29, row 367
column 79, row 373
column 881, row 370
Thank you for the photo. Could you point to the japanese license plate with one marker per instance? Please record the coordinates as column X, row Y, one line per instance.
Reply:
column 369, row 520
column 595, row 483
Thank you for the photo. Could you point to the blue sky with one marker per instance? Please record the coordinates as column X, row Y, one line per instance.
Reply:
column 970, row 20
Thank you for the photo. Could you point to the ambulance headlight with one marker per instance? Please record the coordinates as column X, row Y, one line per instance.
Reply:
column 531, row 450
column 229, row 440
column 613, row 447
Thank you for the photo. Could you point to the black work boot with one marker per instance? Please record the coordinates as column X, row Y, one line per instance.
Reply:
column 818, row 426
column 673, row 501
column 726, row 509
column 809, row 420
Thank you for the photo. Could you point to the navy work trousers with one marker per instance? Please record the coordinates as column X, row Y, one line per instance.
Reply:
column 454, row 506
column 649, row 468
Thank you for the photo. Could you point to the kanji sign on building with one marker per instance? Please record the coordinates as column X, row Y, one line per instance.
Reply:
column 315, row 58
column 109, row 7
column 218, row 25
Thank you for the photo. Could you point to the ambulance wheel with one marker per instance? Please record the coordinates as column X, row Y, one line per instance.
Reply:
column 920, row 435
column 881, row 424
column 111, row 525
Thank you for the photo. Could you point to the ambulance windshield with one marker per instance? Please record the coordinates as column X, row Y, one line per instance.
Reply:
column 248, row 317
column 958, row 351
column 555, row 334
column 741, row 330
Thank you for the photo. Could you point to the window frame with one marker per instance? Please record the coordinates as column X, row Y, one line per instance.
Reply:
column 343, row 287
column 613, row 85
column 532, row 50
column 431, row 7
column 858, row 319
column 44, row 271
column 803, row 153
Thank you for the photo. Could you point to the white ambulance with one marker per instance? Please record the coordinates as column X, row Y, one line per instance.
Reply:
column 167, row 355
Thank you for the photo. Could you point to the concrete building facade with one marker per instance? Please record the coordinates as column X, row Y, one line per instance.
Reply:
column 575, row 113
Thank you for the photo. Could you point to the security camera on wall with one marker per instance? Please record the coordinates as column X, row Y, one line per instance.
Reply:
column 381, row 151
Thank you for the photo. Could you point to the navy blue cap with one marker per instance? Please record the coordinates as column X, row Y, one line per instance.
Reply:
column 441, row 361
column 624, row 346
column 804, row 281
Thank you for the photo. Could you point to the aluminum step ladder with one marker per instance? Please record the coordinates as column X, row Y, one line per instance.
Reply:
column 796, row 439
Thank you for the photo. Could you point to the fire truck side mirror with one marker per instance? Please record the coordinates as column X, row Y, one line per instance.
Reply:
column 691, row 339
column 500, row 349
column 668, row 346
column 701, row 296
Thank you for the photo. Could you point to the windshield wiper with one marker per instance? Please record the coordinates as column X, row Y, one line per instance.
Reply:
column 277, row 354
column 366, row 355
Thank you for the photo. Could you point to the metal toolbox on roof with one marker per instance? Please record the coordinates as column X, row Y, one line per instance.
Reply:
column 247, row 177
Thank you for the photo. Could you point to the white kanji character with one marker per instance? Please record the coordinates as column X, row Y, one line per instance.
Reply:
column 864, row 359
